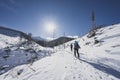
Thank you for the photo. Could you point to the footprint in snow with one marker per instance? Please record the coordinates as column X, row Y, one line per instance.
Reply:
column 107, row 51
column 91, row 76
column 73, row 77
column 100, row 77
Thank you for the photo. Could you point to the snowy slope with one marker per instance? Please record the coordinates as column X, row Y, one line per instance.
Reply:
column 16, row 50
column 60, row 66
column 99, row 61
column 8, row 37
column 8, row 41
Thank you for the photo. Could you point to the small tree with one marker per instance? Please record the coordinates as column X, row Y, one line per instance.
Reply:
column 7, row 50
column 64, row 40
column 29, row 36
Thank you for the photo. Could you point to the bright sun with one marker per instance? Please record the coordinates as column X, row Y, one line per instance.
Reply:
column 50, row 26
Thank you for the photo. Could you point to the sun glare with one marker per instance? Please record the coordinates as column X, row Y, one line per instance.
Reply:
column 50, row 26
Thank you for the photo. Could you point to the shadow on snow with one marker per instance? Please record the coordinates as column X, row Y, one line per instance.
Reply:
column 104, row 68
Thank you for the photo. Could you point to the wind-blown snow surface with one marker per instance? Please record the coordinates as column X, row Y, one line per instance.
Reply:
column 99, row 61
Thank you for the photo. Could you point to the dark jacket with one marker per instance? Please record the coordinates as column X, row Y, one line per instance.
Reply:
column 76, row 45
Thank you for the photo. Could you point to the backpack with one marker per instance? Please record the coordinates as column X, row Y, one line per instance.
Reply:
column 76, row 45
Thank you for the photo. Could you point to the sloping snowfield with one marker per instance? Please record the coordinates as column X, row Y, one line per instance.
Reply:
column 100, row 61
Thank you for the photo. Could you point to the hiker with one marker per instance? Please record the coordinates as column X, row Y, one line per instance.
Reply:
column 76, row 48
column 71, row 46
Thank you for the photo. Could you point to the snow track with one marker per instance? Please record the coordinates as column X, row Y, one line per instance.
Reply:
column 62, row 66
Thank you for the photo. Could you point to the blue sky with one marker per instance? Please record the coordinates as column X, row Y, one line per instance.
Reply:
column 71, row 16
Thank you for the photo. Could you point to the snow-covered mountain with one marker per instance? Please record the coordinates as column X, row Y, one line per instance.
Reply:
column 51, row 43
column 99, row 60
column 37, row 38
column 16, row 49
column 9, row 37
